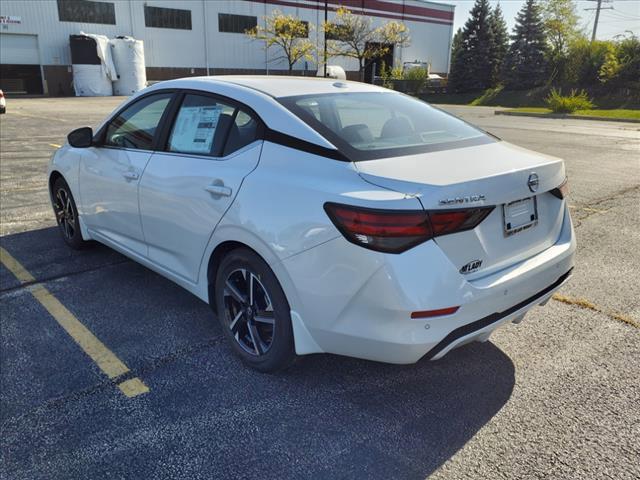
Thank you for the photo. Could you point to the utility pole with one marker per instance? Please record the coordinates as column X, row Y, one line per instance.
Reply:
column 597, row 9
column 325, row 38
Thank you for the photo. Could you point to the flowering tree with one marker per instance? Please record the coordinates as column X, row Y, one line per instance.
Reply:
column 354, row 36
column 289, row 34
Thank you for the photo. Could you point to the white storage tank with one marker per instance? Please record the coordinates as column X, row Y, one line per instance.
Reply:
column 93, row 69
column 128, row 57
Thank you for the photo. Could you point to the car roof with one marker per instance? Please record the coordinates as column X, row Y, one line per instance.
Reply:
column 260, row 93
column 279, row 86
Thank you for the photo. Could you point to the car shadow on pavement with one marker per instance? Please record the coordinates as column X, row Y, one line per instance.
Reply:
column 417, row 416
column 329, row 416
column 45, row 255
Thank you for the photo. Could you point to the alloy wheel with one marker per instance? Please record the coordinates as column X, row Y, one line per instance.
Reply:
column 249, row 312
column 64, row 213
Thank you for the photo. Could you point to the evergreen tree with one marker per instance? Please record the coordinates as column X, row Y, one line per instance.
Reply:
column 501, row 42
column 456, row 44
column 456, row 48
column 471, row 66
column 525, row 64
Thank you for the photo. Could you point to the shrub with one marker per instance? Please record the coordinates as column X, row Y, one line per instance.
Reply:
column 585, row 60
column 388, row 75
column 568, row 103
column 418, row 78
column 416, row 73
column 622, row 63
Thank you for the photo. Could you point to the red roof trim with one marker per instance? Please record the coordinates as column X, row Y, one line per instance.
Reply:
column 356, row 5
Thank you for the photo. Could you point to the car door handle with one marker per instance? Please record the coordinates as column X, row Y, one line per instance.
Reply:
column 219, row 190
column 131, row 175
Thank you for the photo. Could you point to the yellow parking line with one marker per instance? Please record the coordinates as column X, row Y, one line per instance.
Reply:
column 106, row 360
column 133, row 387
column 55, row 145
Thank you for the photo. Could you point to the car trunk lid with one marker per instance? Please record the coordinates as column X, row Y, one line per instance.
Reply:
column 494, row 174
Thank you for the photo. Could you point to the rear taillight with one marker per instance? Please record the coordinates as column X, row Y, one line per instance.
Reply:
column 444, row 222
column 562, row 191
column 395, row 231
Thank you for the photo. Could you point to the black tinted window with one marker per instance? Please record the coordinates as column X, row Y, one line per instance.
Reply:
column 85, row 11
column 136, row 126
column 160, row 17
column 244, row 130
column 236, row 23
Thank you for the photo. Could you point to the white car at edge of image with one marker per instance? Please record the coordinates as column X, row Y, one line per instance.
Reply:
column 317, row 215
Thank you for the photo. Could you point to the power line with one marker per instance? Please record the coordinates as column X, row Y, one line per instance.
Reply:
column 623, row 15
column 597, row 9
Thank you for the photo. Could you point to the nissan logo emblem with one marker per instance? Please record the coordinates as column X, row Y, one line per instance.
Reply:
column 533, row 182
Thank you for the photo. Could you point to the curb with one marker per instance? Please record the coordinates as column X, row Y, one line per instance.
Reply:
column 565, row 116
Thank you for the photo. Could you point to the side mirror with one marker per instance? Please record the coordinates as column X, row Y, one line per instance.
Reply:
column 81, row 137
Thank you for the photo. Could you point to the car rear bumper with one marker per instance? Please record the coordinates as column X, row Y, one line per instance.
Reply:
column 358, row 303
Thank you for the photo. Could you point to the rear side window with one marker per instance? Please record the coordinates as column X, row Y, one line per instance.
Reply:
column 372, row 125
column 244, row 130
column 136, row 126
column 207, row 126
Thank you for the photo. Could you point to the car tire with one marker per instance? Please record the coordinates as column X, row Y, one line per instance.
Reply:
column 254, row 312
column 64, row 208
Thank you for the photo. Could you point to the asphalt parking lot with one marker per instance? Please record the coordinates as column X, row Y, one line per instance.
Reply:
column 557, row 396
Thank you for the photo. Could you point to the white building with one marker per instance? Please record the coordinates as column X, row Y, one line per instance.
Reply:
column 193, row 37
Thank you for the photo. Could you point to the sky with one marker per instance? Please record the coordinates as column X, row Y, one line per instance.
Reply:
column 624, row 16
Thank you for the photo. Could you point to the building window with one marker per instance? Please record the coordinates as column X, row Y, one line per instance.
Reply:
column 338, row 32
column 236, row 23
column 303, row 34
column 159, row 17
column 85, row 11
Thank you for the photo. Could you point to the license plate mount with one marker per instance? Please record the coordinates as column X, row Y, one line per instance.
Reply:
column 519, row 215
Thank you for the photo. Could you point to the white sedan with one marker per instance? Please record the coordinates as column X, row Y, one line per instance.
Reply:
column 317, row 215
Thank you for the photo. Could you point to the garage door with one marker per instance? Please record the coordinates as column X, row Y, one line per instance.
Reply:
column 19, row 49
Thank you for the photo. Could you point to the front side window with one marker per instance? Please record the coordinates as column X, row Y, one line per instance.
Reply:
column 207, row 126
column 372, row 125
column 136, row 126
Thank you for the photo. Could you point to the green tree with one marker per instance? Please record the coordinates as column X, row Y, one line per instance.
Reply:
column 525, row 65
column 289, row 34
column 560, row 23
column 354, row 36
column 585, row 61
column 456, row 45
column 561, row 27
column 500, row 42
column 472, row 66
column 456, row 64
column 622, row 64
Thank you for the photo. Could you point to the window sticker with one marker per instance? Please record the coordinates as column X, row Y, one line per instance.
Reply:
column 195, row 128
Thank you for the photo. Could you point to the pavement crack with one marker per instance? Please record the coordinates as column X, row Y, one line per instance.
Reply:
column 153, row 364
column 51, row 278
column 583, row 212
column 586, row 304
column 145, row 369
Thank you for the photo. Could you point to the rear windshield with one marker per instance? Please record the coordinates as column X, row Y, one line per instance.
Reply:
column 370, row 125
